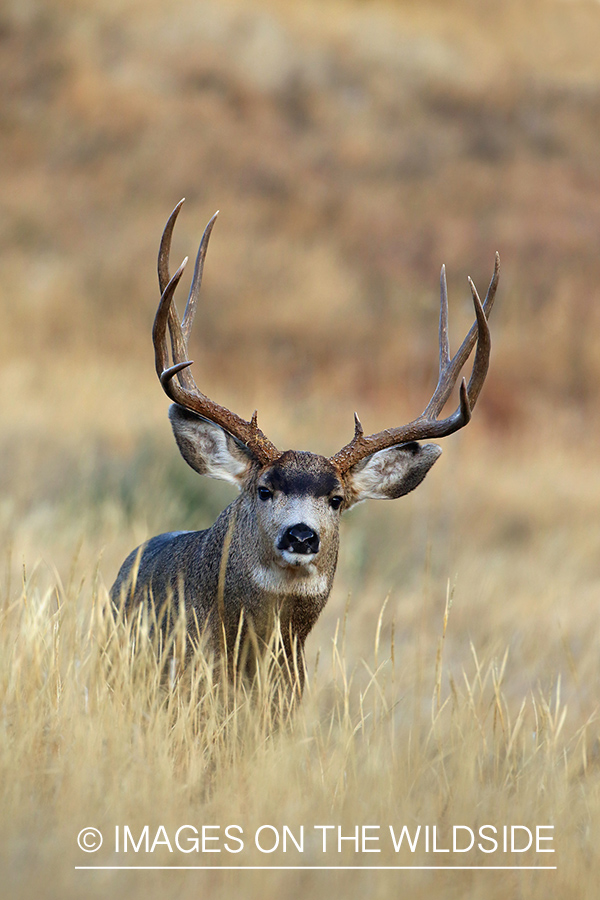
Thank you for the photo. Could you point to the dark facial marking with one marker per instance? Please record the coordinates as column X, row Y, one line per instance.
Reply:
column 301, row 482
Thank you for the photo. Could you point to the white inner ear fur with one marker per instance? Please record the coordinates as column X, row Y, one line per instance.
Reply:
column 208, row 448
column 388, row 474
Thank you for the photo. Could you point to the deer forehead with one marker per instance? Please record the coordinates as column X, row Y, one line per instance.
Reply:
column 299, row 473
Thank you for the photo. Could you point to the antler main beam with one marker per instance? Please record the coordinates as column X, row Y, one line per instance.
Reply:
column 176, row 378
column 427, row 425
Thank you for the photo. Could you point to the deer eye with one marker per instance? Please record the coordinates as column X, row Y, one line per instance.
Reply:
column 336, row 502
column 264, row 493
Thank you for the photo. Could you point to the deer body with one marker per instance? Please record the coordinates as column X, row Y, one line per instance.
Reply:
column 270, row 558
column 246, row 558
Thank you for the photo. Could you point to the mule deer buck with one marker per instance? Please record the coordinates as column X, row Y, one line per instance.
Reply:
column 271, row 555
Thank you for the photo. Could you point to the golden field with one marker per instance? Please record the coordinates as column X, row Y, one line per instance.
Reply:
column 352, row 148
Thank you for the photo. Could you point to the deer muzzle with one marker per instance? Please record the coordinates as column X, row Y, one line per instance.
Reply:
column 300, row 538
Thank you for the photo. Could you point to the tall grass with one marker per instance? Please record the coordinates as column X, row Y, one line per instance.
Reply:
column 100, row 727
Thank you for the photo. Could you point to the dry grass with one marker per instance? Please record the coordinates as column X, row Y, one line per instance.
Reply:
column 94, row 733
column 351, row 147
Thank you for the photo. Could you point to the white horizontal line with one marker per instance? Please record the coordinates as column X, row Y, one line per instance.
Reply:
column 323, row 868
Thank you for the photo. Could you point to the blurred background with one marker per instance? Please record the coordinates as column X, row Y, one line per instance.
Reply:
column 352, row 148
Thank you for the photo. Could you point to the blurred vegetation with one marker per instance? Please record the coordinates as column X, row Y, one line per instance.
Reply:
column 351, row 147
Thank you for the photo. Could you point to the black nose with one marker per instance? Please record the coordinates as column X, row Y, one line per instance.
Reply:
column 299, row 539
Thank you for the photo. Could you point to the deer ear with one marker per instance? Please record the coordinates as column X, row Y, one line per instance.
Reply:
column 208, row 448
column 388, row 474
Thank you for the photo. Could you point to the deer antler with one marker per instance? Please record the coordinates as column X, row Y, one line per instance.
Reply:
column 427, row 425
column 176, row 379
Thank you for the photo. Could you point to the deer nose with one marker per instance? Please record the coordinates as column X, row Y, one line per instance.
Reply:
column 299, row 539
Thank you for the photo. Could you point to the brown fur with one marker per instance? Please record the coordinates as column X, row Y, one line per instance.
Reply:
column 234, row 581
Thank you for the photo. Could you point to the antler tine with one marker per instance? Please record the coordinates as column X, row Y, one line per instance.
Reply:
column 192, row 300
column 164, row 251
column 453, row 366
column 444, row 339
column 450, row 368
column 183, row 389
column 178, row 339
column 159, row 330
column 427, row 424
column 482, row 354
